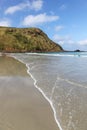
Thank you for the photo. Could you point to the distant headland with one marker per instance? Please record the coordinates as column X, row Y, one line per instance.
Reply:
column 26, row 40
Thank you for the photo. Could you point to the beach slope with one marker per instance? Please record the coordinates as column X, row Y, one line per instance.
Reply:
column 22, row 106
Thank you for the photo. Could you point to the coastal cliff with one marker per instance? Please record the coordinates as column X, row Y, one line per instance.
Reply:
column 26, row 40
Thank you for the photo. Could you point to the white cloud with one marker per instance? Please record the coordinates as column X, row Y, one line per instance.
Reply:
column 68, row 42
column 37, row 5
column 58, row 28
column 83, row 42
column 62, row 39
column 34, row 5
column 16, row 8
column 32, row 20
column 5, row 23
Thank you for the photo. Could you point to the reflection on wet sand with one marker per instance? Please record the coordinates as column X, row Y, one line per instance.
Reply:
column 22, row 107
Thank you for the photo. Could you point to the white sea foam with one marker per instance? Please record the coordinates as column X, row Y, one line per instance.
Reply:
column 40, row 90
column 63, row 54
column 49, row 54
column 72, row 83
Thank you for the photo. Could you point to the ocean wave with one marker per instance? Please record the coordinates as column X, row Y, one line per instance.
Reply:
column 64, row 54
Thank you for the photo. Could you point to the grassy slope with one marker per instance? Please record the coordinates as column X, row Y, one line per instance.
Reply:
column 26, row 40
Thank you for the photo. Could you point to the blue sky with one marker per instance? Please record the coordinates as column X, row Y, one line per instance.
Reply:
column 64, row 21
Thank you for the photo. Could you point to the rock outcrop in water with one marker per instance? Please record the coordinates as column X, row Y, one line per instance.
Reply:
column 77, row 50
column 26, row 40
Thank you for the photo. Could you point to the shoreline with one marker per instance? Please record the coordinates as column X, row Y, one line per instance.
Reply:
column 43, row 94
column 38, row 109
column 49, row 101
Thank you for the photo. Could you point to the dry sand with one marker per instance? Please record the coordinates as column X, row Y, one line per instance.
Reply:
column 22, row 106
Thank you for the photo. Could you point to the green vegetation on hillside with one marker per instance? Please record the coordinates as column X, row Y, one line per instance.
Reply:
column 26, row 40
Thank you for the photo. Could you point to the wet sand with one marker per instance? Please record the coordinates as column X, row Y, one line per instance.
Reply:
column 22, row 106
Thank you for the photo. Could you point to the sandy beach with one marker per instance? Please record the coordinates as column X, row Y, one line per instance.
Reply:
column 22, row 106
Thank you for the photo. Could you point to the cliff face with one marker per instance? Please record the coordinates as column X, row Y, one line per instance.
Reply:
column 26, row 40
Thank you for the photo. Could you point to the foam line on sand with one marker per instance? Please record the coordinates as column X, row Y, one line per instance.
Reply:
column 40, row 90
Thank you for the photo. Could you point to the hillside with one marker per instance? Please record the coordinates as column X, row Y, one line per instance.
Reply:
column 26, row 40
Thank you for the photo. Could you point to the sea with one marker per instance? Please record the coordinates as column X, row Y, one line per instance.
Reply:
column 62, row 80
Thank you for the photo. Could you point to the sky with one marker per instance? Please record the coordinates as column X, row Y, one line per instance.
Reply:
column 64, row 21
